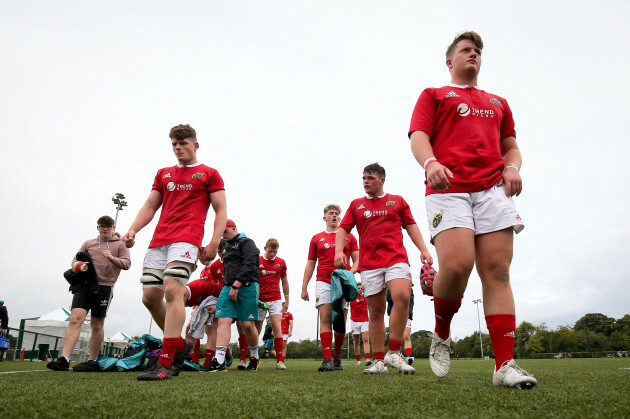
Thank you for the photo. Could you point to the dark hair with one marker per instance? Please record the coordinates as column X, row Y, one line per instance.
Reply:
column 181, row 132
column 105, row 220
column 222, row 244
column 375, row 168
column 469, row 35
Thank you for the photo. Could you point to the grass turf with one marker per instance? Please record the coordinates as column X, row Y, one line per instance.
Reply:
column 567, row 388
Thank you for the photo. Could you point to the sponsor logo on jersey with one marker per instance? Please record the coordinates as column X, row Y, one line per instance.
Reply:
column 495, row 101
column 464, row 110
column 361, row 207
column 451, row 94
column 390, row 203
column 437, row 219
column 172, row 186
column 198, row 175
column 264, row 272
column 369, row 214
column 166, row 175
column 326, row 245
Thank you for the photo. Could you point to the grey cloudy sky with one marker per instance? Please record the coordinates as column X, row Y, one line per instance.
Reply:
column 290, row 101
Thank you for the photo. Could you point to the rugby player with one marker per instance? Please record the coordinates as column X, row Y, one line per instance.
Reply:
column 322, row 252
column 287, row 328
column 383, row 263
column 464, row 138
column 185, row 193
column 273, row 271
column 360, row 326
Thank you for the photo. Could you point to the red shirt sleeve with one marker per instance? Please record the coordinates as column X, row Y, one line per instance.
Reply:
column 215, row 182
column 157, row 182
column 312, row 249
column 349, row 220
column 424, row 114
column 406, row 217
column 283, row 270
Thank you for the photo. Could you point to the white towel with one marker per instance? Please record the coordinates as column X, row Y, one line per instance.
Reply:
column 201, row 318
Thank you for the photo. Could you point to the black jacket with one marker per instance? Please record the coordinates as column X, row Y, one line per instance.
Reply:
column 83, row 280
column 4, row 317
column 240, row 259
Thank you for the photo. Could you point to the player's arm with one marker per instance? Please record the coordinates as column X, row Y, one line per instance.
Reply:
column 416, row 237
column 436, row 174
column 355, row 261
column 308, row 274
column 511, row 176
column 219, row 205
column 285, row 290
column 144, row 217
column 290, row 327
column 341, row 261
column 123, row 261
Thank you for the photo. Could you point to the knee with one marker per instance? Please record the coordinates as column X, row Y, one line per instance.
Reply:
column 496, row 270
column 150, row 302
column 455, row 269
column 76, row 321
column 173, row 290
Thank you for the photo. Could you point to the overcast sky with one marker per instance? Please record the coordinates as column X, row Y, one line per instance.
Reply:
column 290, row 101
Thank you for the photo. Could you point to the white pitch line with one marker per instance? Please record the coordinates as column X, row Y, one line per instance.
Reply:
column 13, row 372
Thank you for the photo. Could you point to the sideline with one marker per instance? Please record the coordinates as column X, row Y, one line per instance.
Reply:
column 13, row 372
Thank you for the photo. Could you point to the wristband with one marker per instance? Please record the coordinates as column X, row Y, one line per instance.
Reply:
column 427, row 161
column 429, row 164
column 513, row 165
column 235, row 287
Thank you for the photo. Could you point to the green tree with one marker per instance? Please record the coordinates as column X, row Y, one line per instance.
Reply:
column 623, row 325
column 619, row 342
column 534, row 345
column 567, row 340
column 595, row 322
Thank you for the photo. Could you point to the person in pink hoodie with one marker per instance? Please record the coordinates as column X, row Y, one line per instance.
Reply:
column 109, row 256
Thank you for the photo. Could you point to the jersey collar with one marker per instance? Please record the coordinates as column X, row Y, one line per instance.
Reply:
column 461, row 86
column 270, row 259
column 189, row 165
column 368, row 196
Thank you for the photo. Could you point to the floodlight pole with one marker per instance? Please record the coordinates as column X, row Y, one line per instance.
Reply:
column 119, row 200
column 477, row 301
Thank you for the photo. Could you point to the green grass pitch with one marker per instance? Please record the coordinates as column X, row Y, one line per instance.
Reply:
column 567, row 388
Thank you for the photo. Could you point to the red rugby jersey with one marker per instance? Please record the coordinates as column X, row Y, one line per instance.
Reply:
column 379, row 222
column 185, row 201
column 466, row 126
column 216, row 271
column 286, row 317
column 271, row 272
column 322, row 250
column 359, row 310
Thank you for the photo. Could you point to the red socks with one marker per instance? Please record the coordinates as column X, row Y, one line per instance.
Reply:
column 367, row 355
column 209, row 355
column 169, row 347
column 339, row 338
column 278, row 344
column 407, row 351
column 379, row 355
column 326, row 338
column 195, row 352
column 242, row 346
column 394, row 345
column 358, row 357
column 444, row 312
column 502, row 327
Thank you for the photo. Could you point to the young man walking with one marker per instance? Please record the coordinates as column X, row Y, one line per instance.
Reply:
column 383, row 263
column 185, row 193
column 464, row 138
column 109, row 256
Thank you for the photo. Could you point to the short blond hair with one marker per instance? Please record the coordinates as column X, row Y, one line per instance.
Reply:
column 469, row 35
column 272, row 244
column 332, row 207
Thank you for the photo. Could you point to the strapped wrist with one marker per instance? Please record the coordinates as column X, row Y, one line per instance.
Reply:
column 424, row 165
column 512, row 165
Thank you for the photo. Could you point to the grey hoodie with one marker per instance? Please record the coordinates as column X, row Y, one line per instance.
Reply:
column 107, row 271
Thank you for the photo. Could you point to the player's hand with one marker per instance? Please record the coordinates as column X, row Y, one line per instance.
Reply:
column 426, row 257
column 106, row 253
column 129, row 239
column 209, row 252
column 212, row 309
column 234, row 294
column 285, row 308
column 341, row 261
column 304, row 295
column 512, row 181
column 437, row 177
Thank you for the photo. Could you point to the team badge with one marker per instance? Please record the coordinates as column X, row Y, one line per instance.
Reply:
column 277, row 265
column 390, row 203
column 198, row 175
column 495, row 101
column 437, row 219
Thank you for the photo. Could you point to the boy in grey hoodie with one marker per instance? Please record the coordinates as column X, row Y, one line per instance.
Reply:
column 109, row 255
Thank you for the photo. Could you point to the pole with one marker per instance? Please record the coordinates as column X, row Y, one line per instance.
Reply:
column 150, row 324
column 477, row 301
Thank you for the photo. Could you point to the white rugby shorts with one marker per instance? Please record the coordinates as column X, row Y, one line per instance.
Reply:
column 408, row 326
column 359, row 327
column 482, row 212
column 374, row 280
column 322, row 295
column 275, row 308
column 159, row 257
